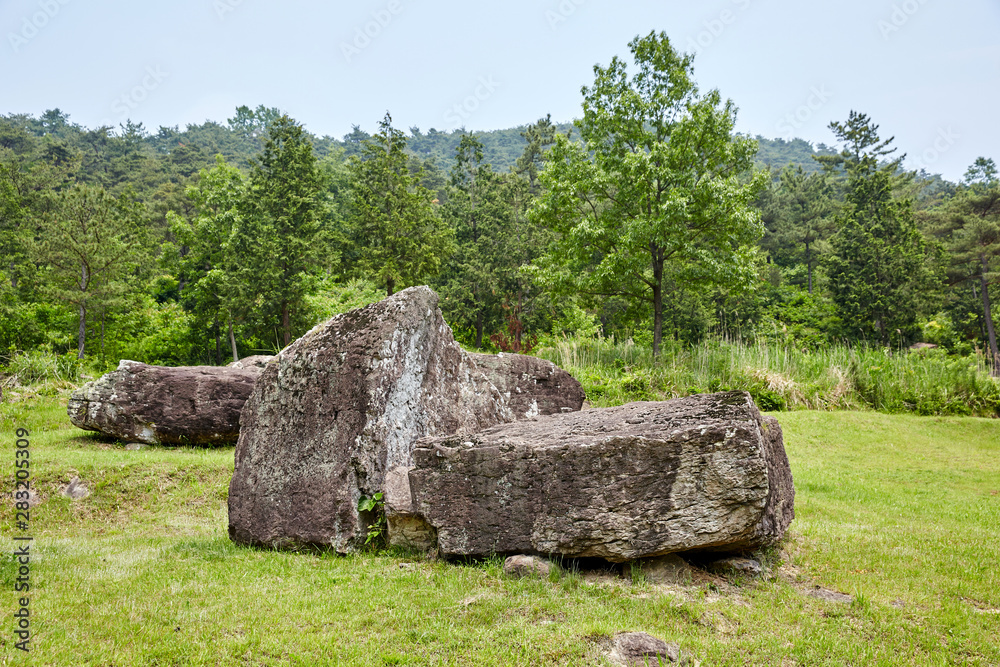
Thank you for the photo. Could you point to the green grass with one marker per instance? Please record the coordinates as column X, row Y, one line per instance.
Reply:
column 899, row 511
column 782, row 378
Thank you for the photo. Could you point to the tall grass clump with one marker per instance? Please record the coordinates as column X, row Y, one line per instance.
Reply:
column 37, row 366
column 781, row 377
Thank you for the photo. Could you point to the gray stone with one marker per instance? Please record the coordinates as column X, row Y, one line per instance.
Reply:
column 342, row 406
column 634, row 649
column 829, row 596
column 525, row 566
column 703, row 473
column 406, row 529
column 531, row 385
column 256, row 361
column 669, row 569
column 76, row 490
column 134, row 446
column 156, row 405
column 740, row 566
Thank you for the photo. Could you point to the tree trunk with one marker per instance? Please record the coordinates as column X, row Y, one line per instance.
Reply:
column 389, row 285
column 81, row 336
column 809, row 268
column 479, row 329
column 232, row 342
column 102, row 336
column 286, row 323
column 218, row 343
column 657, row 305
column 988, row 314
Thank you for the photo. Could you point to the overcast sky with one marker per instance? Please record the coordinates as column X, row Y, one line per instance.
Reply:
column 927, row 71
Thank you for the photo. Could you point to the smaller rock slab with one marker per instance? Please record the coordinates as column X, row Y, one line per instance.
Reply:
column 157, row 405
column 704, row 473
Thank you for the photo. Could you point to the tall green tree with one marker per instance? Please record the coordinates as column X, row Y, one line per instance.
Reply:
column 654, row 195
column 201, row 259
column 275, row 243
column 879, row 269
column 482, row 284
column 401, row 237
column 799, row 219
column 971, row 231
column 90, row 244
column 538, row 136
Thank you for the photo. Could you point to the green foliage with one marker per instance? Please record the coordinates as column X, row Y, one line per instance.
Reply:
column 202, row 257
column 93, row 248
column 878, row 270
column 332, row 298
column 401, row 235
column 273, row 247
column 482, row 286
column 969, row 226
column 781, row 377
column 798, row 214
column 153, row 333
column 38, row 366
column 653, row 196
column 375, row 508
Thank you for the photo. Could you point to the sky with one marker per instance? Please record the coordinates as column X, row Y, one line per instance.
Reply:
column 926, row 71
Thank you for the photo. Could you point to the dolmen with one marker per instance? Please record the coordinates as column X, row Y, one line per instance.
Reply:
column 378, row 414
column 158, row 405
column 343, row 405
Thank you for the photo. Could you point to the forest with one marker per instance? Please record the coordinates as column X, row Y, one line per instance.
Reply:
column 662, row 227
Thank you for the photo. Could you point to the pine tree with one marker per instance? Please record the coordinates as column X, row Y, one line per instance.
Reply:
column 275, row 244
column 401, row 237
column 878, row 269
column 90, row 243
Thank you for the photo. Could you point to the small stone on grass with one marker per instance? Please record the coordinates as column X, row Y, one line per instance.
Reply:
column 524, row 566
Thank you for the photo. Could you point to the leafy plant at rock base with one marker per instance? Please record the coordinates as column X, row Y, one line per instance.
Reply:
column 376, row 529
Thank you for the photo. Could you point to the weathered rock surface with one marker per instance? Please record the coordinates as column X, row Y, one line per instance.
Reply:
column 526, row 566
column 406, row 529
column 532, row 386
column 341, row 407
column 188, row 405
column 702, row 473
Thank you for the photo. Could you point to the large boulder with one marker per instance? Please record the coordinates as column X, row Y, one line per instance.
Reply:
column 702, row 473
column 339, row 408
column 531, row 385
column 157, row 405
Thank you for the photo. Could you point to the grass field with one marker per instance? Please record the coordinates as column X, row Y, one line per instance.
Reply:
column 900, row 512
